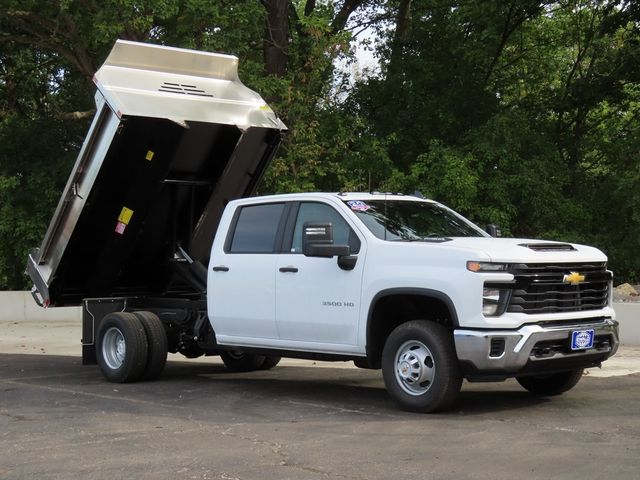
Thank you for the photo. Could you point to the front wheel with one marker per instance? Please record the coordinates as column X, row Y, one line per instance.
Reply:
column 553, row 384
column 420, row 367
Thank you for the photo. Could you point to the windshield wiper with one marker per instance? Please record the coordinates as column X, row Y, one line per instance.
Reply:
column 431, row 239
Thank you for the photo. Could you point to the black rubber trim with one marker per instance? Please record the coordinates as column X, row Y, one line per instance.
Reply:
column 327, row 357
column 424, row 292
column 538, row 367
column 290, row 225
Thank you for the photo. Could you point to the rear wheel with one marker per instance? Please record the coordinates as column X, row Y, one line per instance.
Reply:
column 420, row 367
column 121, row 347
column 270, row 362
column 239, row 361
column 157, row 344
column 553, row 384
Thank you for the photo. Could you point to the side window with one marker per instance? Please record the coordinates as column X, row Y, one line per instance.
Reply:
column 320, row 212
column 256, row 229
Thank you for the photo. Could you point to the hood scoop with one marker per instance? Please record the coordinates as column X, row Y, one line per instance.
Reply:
column 549, row 247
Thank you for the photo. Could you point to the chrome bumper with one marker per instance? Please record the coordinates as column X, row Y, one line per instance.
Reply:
column 474, row 347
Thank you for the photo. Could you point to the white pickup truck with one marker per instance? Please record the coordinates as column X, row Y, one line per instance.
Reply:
column 158, row 237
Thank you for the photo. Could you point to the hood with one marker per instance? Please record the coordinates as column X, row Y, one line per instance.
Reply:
column 511, row 250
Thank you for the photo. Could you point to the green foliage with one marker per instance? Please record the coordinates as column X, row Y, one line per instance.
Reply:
column 524, row 113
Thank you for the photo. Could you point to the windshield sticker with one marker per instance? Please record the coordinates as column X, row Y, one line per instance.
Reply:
column 358, row 205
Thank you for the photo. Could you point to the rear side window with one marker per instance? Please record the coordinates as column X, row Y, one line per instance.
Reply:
column 256, row 229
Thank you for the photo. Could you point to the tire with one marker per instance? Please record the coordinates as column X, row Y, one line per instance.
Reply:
column 121, row 347
column 157, row 345
column 553, row 384
column 420, row 367
column 362, row 362
column 239, row 361
column 270, row 362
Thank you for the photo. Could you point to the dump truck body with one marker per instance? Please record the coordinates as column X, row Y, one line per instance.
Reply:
column 175, row 136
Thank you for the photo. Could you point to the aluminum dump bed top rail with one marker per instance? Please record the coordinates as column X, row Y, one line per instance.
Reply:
column 175, row 136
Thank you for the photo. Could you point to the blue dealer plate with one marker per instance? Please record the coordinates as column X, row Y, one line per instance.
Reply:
column 582, row 339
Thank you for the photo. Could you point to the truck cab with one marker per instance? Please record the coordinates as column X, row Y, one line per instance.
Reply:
column 505, row 307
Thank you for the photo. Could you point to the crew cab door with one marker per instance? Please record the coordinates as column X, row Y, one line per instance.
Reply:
column 242, row 280
column 317, row 302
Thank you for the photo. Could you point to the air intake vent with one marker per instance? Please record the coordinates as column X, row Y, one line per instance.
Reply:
column 549, row 247
column 183, row 89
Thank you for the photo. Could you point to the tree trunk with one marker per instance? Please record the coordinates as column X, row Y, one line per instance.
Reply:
column 276, row 37
column 401, row 33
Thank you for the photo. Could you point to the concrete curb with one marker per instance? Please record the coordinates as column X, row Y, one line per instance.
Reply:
column 19, row 307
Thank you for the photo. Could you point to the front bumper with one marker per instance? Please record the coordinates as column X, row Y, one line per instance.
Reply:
column 532, row 349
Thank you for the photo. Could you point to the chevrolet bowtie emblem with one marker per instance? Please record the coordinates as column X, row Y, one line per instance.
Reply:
column 574, row 278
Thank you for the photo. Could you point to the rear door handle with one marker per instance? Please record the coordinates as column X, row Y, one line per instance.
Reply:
column 220, row 268
column 289, row 269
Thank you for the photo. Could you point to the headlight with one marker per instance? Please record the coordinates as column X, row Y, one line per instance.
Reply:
column 494, row 300
column 486, row 267
column 490, row 301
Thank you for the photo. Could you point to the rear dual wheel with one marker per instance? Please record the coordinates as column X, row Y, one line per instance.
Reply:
column 131, row 346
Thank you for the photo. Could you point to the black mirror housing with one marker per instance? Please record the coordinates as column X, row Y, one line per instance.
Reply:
column 317, row 241
column 493, row 230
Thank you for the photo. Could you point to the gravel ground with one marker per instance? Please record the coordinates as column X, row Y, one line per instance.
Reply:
column 618, row 296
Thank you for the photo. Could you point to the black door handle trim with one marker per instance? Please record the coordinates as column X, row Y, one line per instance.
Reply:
column 288, row 269
column 220, row 268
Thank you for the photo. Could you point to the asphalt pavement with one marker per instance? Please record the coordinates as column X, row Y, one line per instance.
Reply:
column 301, row 420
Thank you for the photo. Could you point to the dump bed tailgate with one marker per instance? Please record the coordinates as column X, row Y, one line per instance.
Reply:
column 175, row 136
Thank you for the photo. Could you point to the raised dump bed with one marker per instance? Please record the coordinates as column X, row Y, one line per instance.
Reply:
column 175, row 136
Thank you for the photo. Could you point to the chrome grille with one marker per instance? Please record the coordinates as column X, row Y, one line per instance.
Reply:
column 540, row 288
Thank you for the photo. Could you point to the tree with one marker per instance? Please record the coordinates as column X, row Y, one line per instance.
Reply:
column 49, row 51
column 521, row 112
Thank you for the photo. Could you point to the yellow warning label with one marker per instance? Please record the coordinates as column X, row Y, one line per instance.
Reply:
column 125, row 215
column 149, row 155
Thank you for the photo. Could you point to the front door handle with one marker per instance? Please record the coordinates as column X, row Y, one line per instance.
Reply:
column 289, row 269
column 221, row 268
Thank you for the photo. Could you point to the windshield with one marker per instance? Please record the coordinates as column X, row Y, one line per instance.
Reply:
column 412, row 221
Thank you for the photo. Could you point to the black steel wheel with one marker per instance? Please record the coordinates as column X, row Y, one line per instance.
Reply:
column 420, row 367
column 552, row 384
column 121, row 347
column 157, row 344
column 239, row 361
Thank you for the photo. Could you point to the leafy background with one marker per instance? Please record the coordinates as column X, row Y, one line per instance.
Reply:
column 522, row 113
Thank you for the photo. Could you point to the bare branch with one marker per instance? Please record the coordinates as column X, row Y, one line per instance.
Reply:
column 341, row 18
column 76, row 115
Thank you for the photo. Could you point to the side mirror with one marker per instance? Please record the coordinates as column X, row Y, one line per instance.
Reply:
column 493, row 230
column 317, row 241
